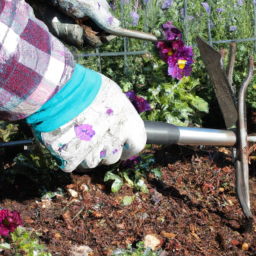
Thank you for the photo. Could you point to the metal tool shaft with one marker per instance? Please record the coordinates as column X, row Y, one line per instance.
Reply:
column 163, row 133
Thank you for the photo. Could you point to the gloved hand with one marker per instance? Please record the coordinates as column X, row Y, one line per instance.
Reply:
column 109, row 129
column 87, row 21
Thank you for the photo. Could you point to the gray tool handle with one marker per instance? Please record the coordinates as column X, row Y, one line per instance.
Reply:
column 161, row 133
column 166, row 134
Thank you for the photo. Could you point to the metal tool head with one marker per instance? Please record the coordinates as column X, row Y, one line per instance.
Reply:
column 222, row 88
column 215, row 68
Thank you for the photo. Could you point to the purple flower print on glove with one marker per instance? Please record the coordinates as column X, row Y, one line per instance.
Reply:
column 102, row 154
column 84, row 132
column 109, row 111
column 110, row 20
column 61, row 146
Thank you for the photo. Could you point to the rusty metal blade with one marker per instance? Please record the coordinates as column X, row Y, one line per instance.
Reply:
column 215, row 68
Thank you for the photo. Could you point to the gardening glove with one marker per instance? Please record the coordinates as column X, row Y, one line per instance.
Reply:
column 79, row 22
column 108, row 130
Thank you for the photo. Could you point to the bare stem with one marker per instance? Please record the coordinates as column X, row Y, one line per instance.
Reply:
column 231, row 62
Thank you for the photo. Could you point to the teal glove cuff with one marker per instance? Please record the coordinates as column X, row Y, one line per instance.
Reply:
column 70, row 101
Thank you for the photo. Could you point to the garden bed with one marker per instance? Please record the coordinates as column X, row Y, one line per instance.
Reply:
column 192, row 209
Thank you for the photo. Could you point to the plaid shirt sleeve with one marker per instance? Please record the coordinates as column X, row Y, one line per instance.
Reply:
column 34, row 65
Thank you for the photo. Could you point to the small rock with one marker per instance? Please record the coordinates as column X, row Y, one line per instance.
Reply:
column 245, row 246
column 81, row 250
column 153, row 241
column 156, row 197
column 142, row 216
column 72, row 192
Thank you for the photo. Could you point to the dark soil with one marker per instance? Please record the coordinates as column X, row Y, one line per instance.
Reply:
column 195, row 201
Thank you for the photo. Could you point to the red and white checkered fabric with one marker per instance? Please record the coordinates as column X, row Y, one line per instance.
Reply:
column 34, row 65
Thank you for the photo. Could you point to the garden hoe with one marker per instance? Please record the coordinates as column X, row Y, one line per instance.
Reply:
column 235, row 119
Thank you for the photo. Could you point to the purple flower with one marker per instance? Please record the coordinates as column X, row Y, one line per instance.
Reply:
column 112, row 6
column 206, row 6
column 102, row 154
column 9, row 221
column 174, row 52
column 240, row 2
column 170, row 31
column 146, row 1
column 99, row 5
column 166, row 4
column 110, row 20
column 115, row 151
column 84, row 132
column 139, row 103
column 232, row 28
column 135, row 18
column 109, row 111
column 178, row 44
column 191, row 17
column 130, row 163
column 220, row 10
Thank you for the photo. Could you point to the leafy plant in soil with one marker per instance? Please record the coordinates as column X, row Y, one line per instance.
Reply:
column 132, row 171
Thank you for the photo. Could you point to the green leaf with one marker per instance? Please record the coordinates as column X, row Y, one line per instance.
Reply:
column 117, row 184
column 142, row 186
column 110, row 176
column 157, row 172
column 127, row 200
column 128, row 180
column 200, row 104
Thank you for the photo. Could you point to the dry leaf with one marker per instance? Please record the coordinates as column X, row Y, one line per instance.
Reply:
column 225, row 169
column 168, row 235
column 67, row 217
column 57, row 235
column 192, row 229
column 234, row 242
column 28, row 220
column 221, row 190
column 97, row 215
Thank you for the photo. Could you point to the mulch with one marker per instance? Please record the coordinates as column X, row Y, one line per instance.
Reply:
column 192, row 208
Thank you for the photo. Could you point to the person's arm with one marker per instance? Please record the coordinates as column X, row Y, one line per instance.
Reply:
column 34, row 65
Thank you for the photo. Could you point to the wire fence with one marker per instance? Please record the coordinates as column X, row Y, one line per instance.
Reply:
column 126, row 51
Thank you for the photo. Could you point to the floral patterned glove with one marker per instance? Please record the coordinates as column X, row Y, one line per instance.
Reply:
column 109, row 129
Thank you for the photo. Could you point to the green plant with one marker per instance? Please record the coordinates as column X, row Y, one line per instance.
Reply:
column 7, row 130
column 26, row 241
column 133, row 172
